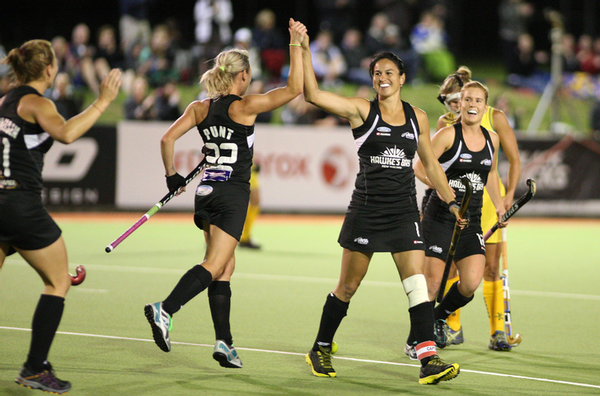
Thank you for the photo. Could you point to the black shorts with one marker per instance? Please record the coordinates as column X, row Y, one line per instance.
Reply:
column 438, row 227
column 368, row 229
column 223, row 204
column 24, row 222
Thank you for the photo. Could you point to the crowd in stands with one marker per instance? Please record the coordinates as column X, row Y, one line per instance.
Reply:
column 155, row 62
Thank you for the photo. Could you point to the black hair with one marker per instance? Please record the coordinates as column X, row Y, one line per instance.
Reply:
column 386, row 55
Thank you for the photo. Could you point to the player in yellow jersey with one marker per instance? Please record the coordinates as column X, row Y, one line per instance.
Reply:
column 253, row 209
column 493, row 120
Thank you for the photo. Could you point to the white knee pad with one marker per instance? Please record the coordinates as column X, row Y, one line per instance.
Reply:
column 416, row 290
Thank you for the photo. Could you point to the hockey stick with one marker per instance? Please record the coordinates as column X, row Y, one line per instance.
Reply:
column 513, row 209
column 80, row 277
column 455, row 235
column 155, row 208
column 516, row 340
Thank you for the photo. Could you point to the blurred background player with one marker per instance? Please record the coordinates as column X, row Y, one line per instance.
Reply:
column 493, row 120
column 253, row 209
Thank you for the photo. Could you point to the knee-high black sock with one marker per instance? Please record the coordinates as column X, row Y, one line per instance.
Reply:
column 452, row 301
column 334, row 311
column 43, row 328
column 190, row 285
column 219, row 299
column 421, row 323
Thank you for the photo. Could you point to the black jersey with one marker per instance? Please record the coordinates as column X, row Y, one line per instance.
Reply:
column 460, row 162
column 385, row 155
column 229, row 145
column 22, row 144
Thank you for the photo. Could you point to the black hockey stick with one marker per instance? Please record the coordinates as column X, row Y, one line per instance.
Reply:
column 155, row 208
column 513, row 209
column 455, row 235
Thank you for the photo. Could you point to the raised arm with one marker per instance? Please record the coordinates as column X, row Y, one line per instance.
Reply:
column 355, row 110
column 45, row 114
column 261, row 103
column 508, row 141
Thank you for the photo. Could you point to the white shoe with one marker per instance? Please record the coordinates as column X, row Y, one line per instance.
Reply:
column 226, row 355
column 161, row 323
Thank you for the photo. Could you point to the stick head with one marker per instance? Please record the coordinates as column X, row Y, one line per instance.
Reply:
column 532, row 186
column 514, row 341
column 77, row 279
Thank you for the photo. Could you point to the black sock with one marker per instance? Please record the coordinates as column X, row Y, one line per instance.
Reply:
column 418, row 319
column 219, row 299
column 334, row 311
column 46, row 319
column 452, row 301
column 190, row 285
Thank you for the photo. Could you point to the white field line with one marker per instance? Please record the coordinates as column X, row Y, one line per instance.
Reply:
column 290, row 278
column 302, row 354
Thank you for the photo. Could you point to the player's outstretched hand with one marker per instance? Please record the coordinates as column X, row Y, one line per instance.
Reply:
column 297, row 31
column 109, row 88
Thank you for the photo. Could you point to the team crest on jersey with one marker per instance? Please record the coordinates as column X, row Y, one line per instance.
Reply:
column 203, row 190
column 408, row 135
column 486, row 162
column 474, row 178
column 361, row 241
column 392, row 158
column 384, row 131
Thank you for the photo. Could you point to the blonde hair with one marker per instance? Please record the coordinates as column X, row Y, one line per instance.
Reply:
column 219, row 80
column 454, row 83
column 30, row 59
column 477, row 84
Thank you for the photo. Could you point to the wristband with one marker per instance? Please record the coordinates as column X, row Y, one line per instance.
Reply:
column 295, row 45
column 451, row 204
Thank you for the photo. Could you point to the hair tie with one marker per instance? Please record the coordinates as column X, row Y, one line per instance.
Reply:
column 22, row 51
column 222, row 68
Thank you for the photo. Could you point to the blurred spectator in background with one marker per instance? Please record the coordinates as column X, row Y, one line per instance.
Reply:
column 525, row 70
column 212, row 29
column 328, row 62
column 336, row 16
column 109, row 56
column 570, row 63
column 156, row 60
column 430, row 41
column 271, row 43
column 67, row 103
column 166, row 102
column 134, row 26
column 139, row 105
column 298, row 112
column 402, row 12
column 258, row 87
column 61, row 50
column 595, row 119
column 243, row 39
column 383, row 35
column 356, row 56
column 585, row 54
column 513, row 117
column 514, row 16
column 80, row 61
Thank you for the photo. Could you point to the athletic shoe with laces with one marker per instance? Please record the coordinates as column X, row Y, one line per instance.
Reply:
column 498, row 342
column 161, row 324
column 411, row 351
column 320, row 362
column 454, row 337
column 439, row 333
column 226, row 355
column 436, row 370
column 45, row 380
